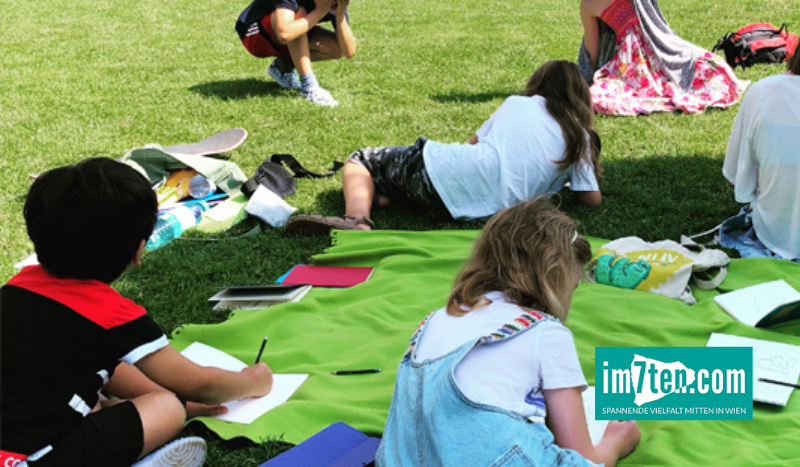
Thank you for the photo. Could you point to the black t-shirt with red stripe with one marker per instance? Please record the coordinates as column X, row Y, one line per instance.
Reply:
column 60, row 341
column 257, row 10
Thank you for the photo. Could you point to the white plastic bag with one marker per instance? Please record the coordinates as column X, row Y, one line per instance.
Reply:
column 664, row 267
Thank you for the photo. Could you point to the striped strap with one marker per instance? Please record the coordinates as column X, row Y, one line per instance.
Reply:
column 415, row 336
column 527, row 319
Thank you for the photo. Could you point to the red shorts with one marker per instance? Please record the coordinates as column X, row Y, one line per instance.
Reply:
column 261, row 46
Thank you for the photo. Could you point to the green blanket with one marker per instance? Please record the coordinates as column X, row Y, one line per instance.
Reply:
column 368, row 326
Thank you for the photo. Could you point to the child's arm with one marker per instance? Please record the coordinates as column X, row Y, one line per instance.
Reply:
column 129, row 382
column 290, row 25
column 344, row 35
column 589, row 198
column 591, row 31
column 567, row 420
column 207, row 385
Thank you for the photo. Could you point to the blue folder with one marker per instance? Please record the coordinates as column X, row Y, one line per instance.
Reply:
column 338, row 445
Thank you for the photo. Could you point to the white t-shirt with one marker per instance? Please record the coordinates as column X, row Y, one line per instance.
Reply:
column 509, row 374
column 515, row 159
column 763, row 161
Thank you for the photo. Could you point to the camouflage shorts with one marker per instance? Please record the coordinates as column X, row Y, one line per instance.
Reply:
column 399, row 173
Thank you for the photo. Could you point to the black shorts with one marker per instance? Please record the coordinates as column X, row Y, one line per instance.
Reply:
column 109, row 437
column 399, row 172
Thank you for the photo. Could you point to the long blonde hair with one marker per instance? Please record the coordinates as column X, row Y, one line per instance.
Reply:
column 568, row 101
column 529, row 252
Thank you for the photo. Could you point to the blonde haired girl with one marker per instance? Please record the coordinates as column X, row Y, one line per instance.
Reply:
column 493, row 378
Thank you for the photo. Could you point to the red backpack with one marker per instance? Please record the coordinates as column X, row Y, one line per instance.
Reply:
column 757, row 43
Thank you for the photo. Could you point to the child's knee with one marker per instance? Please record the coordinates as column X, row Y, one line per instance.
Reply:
column 162, row 409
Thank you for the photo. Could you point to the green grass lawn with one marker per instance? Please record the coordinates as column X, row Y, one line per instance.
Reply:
column 81, row 79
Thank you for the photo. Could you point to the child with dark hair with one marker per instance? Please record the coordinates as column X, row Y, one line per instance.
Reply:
column 532, row 145
column 67, row 335
column 289, row 31
column 493, row 377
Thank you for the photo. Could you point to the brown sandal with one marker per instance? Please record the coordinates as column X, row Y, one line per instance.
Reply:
column 313, row 224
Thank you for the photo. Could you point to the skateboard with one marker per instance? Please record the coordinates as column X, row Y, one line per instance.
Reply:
column 223, row 141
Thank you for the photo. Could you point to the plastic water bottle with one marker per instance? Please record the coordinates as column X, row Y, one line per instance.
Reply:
column 173, row 223
column 200, row 187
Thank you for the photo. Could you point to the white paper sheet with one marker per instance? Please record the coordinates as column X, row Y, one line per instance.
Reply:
column 771, row 360
column 596, row 427
column 244, row 410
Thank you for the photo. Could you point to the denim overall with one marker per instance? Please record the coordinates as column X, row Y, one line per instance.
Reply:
column 432, row 423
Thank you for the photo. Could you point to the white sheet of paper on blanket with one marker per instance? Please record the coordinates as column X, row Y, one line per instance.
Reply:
column 249, row 409
column 771, row 360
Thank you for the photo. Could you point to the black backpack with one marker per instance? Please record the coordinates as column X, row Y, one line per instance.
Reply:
column 273, row 175
column 757, row 43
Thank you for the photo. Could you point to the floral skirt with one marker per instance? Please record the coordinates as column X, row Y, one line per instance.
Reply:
column 633, row 82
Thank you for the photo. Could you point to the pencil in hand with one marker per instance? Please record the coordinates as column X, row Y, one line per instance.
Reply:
column 261, row 350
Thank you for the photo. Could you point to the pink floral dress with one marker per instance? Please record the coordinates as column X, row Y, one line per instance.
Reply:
column 633, row 82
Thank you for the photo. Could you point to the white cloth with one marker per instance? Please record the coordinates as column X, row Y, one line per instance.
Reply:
column 763, row 161
column 269, row 207
column 515, row 159
column 509, row 374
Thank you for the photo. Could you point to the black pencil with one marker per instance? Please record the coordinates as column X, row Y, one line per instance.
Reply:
column 261, row 350
column 356, row 372
column 781, row 383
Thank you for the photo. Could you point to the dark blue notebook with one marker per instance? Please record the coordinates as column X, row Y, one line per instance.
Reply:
column 338, row 445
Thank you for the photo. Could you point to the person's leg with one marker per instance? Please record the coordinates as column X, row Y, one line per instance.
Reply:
column 301, row 54
column 309, row 87
column 319, row 44
column 162, row 417
column 359, row 189
column 129, row 383
column 322, row 45
column 111, row 437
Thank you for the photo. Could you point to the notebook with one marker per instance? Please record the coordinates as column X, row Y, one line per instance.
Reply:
column 771, row 360
column 762, row 305
column 258, row 296
column 326, row 276
column 250, row 408
column 338, row 445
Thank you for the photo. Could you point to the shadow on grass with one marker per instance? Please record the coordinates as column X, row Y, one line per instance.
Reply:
column 237, row 451
column 458, row 96
column 654, row 197
column 657, row 197
column 399, row 215
column 238, row 89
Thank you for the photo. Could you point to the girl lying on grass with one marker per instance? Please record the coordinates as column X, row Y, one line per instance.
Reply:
column 532, row 145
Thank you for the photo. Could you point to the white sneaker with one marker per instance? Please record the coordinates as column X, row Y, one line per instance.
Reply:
column 184, row 452
column 288, row 80
column 319, row 96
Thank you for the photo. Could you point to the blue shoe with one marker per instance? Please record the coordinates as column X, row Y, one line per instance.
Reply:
column 288, row 80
